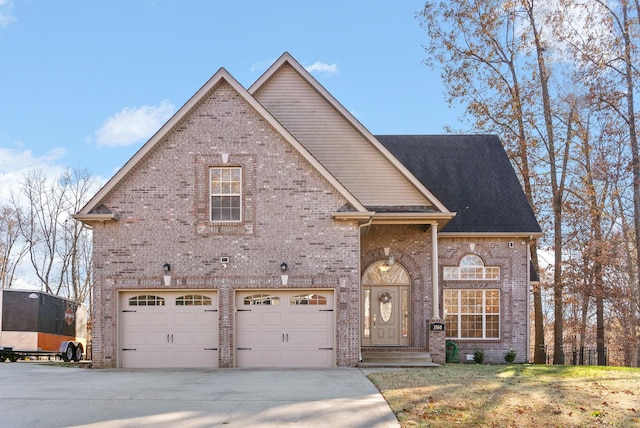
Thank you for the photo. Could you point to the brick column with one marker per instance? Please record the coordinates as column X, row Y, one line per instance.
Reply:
column 436, row 337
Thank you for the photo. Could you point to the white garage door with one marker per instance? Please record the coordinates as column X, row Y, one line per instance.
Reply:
column 168, row 329
column 285, row 328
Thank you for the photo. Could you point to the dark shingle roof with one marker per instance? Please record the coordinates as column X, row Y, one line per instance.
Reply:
column 469, row 174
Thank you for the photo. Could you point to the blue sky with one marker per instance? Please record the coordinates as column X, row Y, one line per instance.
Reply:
column 83, row 84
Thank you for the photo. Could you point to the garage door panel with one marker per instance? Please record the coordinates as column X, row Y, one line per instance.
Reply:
column 157, row 338
column 248, row 337
column 298, row 318
column 202, row 358
column 157, row 319
column 133, row 359
column 249, row 318
column 205, row 339
column 204, row 318
column 156, row 359
column 134, row 338
column 183, row 319
column 183, row 338
column 289, row 334
column 320, row 338
column 168, row 329
column 272, row 319
column 134, row 319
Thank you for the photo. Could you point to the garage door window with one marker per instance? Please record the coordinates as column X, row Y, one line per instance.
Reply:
column 262, row 299
column 193, row 300
column 309, row 299
column 146, row 300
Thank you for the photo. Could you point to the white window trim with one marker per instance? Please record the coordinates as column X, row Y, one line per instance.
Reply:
column 212, row 194
column 484, row 314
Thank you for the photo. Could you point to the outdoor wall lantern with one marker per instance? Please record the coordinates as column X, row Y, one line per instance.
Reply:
column 387, row 264
column 284, row 277
column 166, row 269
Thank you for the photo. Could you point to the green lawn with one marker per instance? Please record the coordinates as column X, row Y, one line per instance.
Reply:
column 513, row 396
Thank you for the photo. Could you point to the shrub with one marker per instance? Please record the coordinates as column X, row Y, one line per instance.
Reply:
column 451, row 351
column 510, row 356
column 478, row 356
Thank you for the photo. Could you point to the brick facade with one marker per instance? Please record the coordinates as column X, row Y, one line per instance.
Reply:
column 163, row 218
column 156, row 211
column 511, row 255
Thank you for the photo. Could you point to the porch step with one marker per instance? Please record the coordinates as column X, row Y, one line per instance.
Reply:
column 396, row 358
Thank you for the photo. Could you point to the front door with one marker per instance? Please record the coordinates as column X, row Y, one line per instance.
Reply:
column 386, row 304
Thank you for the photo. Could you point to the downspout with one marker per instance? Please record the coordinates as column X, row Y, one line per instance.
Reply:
column 367, row 225
column 434, row 273
column 528, row 285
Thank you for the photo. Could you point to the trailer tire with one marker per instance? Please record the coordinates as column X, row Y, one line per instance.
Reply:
column 69, row 353
column 13, row 359
column 77, row 355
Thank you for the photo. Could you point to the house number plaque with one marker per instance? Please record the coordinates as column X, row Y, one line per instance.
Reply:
column 437, row 326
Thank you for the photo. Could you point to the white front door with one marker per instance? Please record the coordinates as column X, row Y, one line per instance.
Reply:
column 277, row 328
column 168, row 329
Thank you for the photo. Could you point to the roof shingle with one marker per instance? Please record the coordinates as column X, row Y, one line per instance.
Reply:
column 469, row 174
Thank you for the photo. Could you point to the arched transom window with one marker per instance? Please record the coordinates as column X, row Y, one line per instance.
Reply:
column 385, row 273
column 471, row 268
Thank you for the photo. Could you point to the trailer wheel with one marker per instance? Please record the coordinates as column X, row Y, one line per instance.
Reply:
column 77, row 355
column 13, row 359
column 69, row 353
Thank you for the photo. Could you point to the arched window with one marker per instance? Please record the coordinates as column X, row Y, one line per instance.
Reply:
column 471, row 267
column 193, row 300
column 308, row 299
column 261, row 299
column 385, row 273
column 146, row 300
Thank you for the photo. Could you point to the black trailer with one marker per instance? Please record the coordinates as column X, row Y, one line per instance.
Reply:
column 37, row 324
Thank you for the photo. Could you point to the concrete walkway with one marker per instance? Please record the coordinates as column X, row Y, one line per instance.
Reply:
column 45, row 396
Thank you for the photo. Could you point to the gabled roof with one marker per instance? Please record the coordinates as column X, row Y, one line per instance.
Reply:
column 345, row 147
column 90, row 212
column 471, row 175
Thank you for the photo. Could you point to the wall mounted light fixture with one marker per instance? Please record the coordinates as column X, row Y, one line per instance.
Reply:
column 387, row 264
column 284, row 277
column 166, row 269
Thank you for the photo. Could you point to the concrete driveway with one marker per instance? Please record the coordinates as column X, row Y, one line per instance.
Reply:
column 39, row 395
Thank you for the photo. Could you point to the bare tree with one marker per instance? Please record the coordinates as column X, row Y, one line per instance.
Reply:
column 494, row 59
column 59, row 247
column 12, row 248
column 602, row 42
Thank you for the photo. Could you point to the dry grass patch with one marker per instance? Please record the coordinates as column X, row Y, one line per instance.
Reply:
column 513, row 396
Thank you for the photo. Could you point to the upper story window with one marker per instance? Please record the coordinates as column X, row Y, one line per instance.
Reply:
column 226, row 194
column 471, row 268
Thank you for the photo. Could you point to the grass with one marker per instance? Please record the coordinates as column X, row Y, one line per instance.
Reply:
column 461, row 395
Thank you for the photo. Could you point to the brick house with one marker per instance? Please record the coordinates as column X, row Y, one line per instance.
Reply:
column 266, row 227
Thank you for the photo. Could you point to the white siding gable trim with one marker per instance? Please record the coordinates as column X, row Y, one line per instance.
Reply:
column 286, row 58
